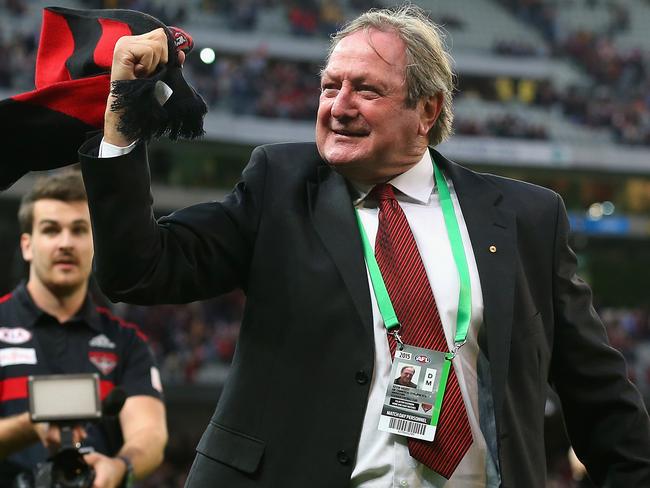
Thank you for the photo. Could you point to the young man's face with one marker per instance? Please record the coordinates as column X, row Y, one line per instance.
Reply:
column 60, row 247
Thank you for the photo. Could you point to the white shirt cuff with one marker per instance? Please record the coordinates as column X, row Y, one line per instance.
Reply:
column 108, row 150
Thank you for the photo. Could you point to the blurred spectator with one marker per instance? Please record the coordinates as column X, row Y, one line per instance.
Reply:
column 331, row 17
column 186, row 338
column 518, row 48
column 15, row 7
column 619, row 18
column 450, row 22
column 170, row 15
column 303, row 18
column 363, row 5
column 241, row 85
column 17, row 59
column 506, row 125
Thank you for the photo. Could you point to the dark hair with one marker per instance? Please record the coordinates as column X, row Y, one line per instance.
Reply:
column 67, row 186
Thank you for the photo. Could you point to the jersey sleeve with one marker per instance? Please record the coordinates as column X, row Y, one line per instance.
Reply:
column 140, row 374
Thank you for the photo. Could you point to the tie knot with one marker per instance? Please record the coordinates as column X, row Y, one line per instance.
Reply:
column 383, row 192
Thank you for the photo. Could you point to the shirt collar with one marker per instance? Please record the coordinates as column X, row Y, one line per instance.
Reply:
column 30, row 314
column 416, row 184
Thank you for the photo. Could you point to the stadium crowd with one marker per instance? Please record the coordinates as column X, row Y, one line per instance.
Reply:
column 188, row 338
column 617, row 97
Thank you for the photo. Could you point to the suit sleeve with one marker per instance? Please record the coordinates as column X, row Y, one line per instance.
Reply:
column 192, row 254
column 605, row 416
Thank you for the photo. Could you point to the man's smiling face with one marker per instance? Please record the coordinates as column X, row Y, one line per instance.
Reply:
column 364, row 127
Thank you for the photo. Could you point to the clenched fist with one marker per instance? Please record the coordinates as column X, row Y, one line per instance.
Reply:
column 134, row 57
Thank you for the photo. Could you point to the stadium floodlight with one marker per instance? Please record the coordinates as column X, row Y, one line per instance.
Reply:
column 608, row 208
column 207, row 55
column 595, row 211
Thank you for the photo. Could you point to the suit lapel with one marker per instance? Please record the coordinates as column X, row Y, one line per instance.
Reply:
column 493, row 232
column 333, row 217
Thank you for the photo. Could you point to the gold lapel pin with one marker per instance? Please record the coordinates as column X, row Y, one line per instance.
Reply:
column 493, row 249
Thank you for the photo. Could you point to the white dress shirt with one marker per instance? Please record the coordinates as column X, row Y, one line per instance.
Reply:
column 383, row 459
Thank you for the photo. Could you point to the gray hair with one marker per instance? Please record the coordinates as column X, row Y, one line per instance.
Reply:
column 428, row 68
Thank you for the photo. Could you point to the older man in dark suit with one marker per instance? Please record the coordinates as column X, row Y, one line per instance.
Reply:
column 371, row 229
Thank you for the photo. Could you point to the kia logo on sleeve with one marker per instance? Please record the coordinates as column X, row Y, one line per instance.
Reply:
column 14, row 335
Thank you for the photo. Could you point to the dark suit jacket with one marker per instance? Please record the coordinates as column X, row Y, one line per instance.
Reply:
column 287, row 235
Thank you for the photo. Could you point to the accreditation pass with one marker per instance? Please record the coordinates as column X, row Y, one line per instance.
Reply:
column 414, row 396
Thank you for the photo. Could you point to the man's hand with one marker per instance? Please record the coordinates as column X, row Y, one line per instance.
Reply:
column 109, row 472
column 41, row 429
column 50, row 435
column 139, row 56
column 133, row 57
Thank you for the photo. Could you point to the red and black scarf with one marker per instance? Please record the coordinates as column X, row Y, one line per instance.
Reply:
column 43, row 129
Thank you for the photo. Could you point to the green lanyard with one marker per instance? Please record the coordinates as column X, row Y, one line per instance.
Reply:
column 464, row 313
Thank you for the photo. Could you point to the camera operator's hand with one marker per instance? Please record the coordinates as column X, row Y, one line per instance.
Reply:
column 40, row 428
column 109, row 472
column 50, row 435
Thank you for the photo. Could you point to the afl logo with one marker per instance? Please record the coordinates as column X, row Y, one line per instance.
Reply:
column 422, row 359
column 15, row 335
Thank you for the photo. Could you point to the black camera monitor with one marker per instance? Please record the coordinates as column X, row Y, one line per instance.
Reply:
column 61, row 397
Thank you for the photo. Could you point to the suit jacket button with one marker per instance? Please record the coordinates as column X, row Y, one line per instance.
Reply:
column 361, row 377
column 343, row 457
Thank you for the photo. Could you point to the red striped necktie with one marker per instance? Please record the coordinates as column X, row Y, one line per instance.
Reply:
column 410, row 292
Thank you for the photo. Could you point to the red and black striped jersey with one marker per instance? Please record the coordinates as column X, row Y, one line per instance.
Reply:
column 33, row 342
